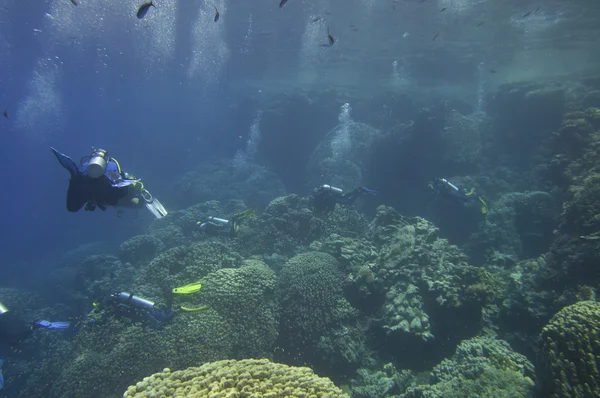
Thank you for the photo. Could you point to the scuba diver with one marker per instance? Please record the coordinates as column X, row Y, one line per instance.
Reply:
column 326, row 197
column 98, row 181
column 446, row 190
column 14, row 330
column 136, row 308
column 221, row 227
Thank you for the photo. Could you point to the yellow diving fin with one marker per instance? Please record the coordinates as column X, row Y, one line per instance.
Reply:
column 202, row 308
column 471, row 192
column 484, row 208
column 187, row 289
column 244, row 214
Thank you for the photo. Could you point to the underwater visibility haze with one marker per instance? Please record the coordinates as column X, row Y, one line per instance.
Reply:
column 330, row 198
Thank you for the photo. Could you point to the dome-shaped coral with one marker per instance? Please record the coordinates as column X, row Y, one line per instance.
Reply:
column 569, row 351
column 230, row 378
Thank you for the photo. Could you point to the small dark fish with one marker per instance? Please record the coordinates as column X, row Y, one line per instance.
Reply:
column 480, row 24
column 217, row 14
column 282, row 3
column 530, row 12
column 141, row 13
column 443, row 9
column 435, row 36
column 316, row 20
column 330, row 37
column 74, row 2
column 422, row 1
column 493, row 71
column 5, row 113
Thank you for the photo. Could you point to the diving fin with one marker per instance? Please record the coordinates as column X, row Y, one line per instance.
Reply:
column 484, row 208
column 202, row 308
column 66, row 162
column 369, row 191
column 156, row 208
column 189, row 288
column 244, row 214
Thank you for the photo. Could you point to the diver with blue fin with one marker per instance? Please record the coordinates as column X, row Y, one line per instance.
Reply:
column 326, row 197
column 98, row 181
column 222, row 227
column 14, row 330
column 446, row 190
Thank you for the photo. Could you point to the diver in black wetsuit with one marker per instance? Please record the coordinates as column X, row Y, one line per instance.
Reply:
column 448, row 191
column 13, row 329
column 325, row 197
column 100, row 182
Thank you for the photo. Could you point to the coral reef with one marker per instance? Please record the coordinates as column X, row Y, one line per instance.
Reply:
column 481, row 366
column 140, row 249
column 245, row 378
column 312, row 302
column 568, row 352
column 386, row 382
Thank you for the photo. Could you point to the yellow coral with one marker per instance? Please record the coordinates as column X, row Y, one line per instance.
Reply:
column 241, row 379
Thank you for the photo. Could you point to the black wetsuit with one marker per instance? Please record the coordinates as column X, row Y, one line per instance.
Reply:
column 13, row 329
column 99, row 191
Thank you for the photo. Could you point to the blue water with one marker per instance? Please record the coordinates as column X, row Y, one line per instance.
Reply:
column 262, row 87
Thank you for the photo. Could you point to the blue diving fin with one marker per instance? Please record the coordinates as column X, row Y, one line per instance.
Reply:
column 1, row 377
column 66, row 162
column 369, row 191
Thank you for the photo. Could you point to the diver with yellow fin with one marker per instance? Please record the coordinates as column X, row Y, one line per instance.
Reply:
column 446, row 190
column 222, row 227
column 98, row 181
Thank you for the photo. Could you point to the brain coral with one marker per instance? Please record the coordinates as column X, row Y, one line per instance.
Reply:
column 569, row 351
column 311, row 297
column 230, row 378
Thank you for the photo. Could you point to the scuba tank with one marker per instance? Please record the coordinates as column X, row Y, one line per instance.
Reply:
column 329, row 188
column 97, row 162
column 220, row 221
column 213, row 220
column 449, row 184
column 135, row 301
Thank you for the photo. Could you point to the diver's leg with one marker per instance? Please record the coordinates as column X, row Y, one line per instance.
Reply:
column 76, row 196
column 349, row 198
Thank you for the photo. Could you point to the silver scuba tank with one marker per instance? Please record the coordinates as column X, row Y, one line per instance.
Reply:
column 97, row 163
column 333, row 190
column 216, row 220
column 130, row 299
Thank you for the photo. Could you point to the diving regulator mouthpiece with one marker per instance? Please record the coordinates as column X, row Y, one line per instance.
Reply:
column 97, row 163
